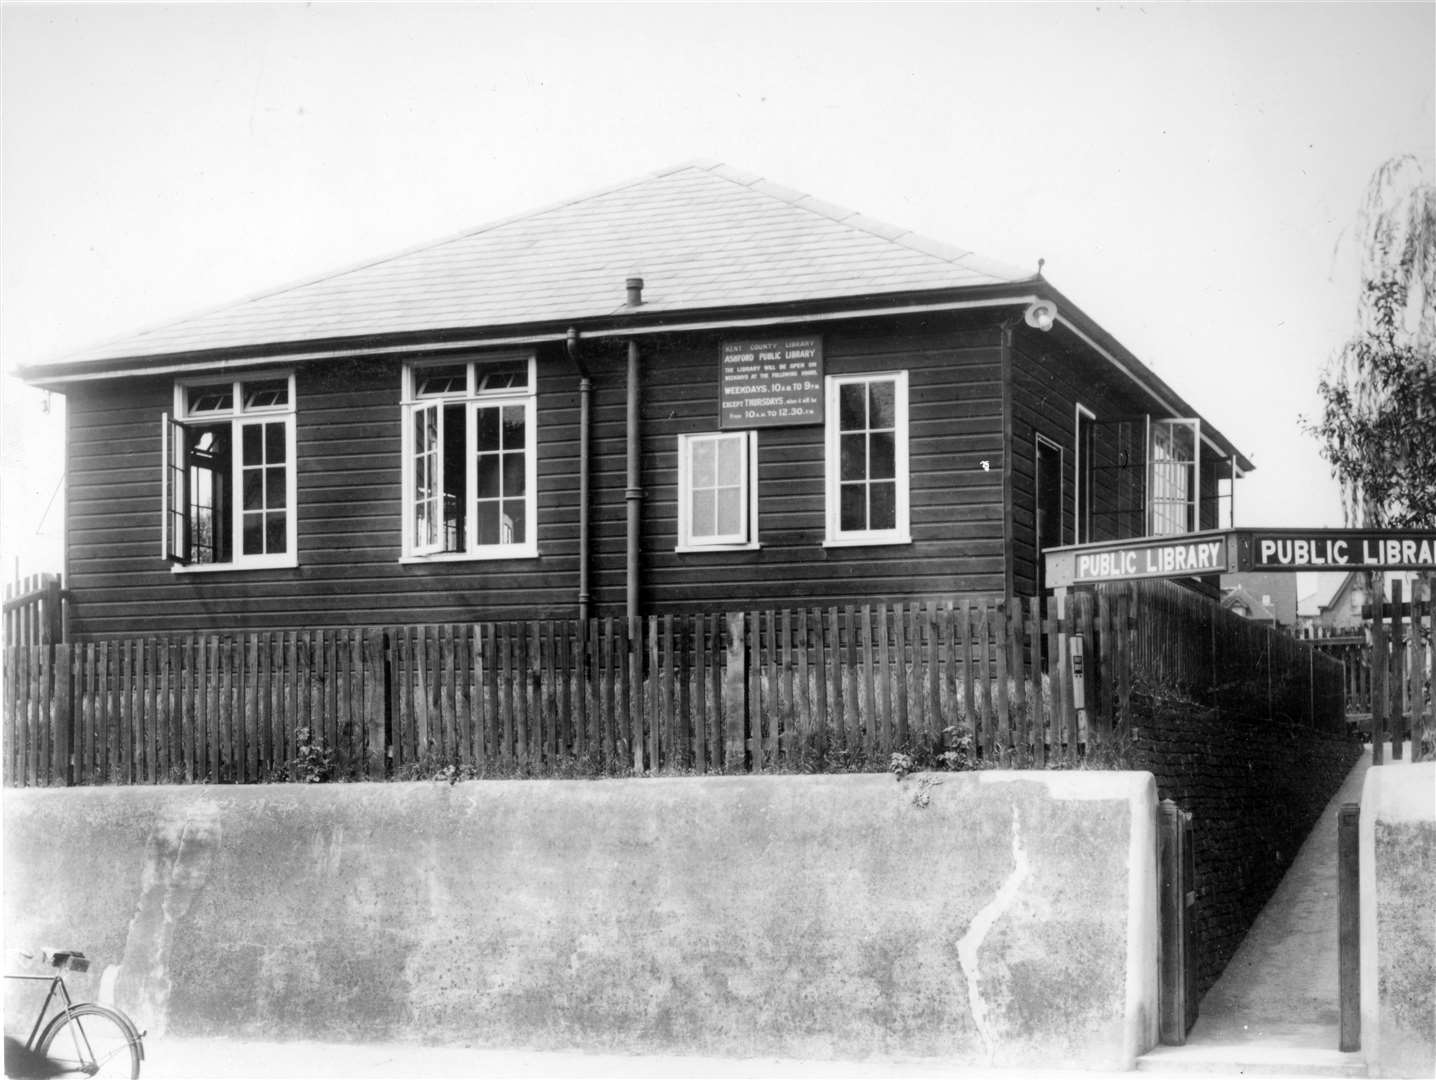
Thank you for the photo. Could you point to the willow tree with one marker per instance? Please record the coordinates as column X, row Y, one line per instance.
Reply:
column 1378, row 395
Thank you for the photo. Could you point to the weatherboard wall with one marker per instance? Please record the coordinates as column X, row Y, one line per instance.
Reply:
column 349, row 490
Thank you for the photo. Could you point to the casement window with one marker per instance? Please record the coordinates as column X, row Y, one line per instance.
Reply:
column 229, row 480
column 1172, row 463
column 471, row 463
column 867, row 459
column 718, row 491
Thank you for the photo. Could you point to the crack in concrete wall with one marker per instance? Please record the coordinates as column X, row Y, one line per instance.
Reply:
column 179, row 855
column 970, row 943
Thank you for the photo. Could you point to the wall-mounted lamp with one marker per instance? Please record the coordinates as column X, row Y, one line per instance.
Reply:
column 1040, row 314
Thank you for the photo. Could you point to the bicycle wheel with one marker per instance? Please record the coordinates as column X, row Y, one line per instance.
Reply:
column 91, row 1040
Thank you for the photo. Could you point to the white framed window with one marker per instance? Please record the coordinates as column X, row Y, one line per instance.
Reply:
column 229, row 478
column 1172, row 462
column 718, row 491
column 470, row 444
column 1085, row 448
column 867, row 459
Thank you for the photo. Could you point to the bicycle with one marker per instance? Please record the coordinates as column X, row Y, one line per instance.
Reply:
column 83, row 1038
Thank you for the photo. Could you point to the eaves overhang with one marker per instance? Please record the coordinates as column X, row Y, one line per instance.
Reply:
column 1085, row 329
column 636, row 323
column 621, row 323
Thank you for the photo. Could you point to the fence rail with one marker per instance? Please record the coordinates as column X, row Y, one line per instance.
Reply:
column 821, row 689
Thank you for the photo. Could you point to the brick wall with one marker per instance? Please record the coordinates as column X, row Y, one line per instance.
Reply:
column 1255, row 788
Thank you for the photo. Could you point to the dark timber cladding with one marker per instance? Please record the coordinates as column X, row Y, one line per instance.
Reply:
column 349, row 495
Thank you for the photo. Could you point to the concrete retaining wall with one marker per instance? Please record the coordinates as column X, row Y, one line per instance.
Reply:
column 1398, row 919
column 986, row 917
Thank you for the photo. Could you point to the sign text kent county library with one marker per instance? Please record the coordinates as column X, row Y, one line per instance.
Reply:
column 771, row 382
column 1244, row 549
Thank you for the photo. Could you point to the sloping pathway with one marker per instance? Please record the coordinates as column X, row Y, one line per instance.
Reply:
column 1275, row 1011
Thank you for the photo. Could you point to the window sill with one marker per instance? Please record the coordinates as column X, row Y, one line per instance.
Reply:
column 699, row 549
column 894, row 540
column 235, row 567
column 526, row 551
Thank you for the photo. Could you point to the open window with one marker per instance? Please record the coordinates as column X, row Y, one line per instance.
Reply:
column 470, row 444
column 1174, row 488
column 228, row 474
column 718, row 491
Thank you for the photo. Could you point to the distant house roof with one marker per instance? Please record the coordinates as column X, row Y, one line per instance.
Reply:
column 707, row 239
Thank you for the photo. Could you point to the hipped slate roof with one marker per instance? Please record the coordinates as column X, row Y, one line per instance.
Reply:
column 703, row 236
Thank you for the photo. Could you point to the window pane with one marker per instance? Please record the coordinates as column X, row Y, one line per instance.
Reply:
column 852, row 407
column 882, row 505
column 274, row 444
column 254, row 534
column 217, row 398
column 704, row 515
column 884, row 405
column 504, row 375
column 513, row 528
column 854, row 509
column 274, row 488
column 514, row 427
column 705, row 469
column 253, row 489
column 488, row 432
column 514, row 474
column 269, row 394
column 253, row 446
column 275, row 536
column 853, row 463
column 730, row 511
column 882, row 460
column 488, row 481
column 487, row 522
column 448, row 379
column 730, row 460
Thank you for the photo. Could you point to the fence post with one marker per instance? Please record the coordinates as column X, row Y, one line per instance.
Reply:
column 1348, row 908
column 735, row 689
column 375, row 701
column 61, row 713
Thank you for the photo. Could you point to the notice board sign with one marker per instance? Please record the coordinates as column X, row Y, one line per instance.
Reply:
column 771, row 382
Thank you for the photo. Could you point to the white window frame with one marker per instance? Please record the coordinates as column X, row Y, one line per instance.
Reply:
column 1165, row 478
column 746, row 539
column 1038, row 441
column 900, row 533
column 473, row 398
column 239, row 416
column 1082, row 475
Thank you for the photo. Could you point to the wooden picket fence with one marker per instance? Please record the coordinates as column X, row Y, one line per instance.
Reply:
column 831, row 689
column 1403, row 670
column 34, row 611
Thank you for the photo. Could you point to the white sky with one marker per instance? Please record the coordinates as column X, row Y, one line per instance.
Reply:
column 1189, row 172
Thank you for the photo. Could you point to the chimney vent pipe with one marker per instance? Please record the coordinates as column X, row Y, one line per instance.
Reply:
column 635, row 291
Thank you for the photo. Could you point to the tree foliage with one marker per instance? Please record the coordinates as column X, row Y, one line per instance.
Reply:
column 1378, row 414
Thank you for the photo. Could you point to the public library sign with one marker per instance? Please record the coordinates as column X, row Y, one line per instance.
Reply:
column 1220, row 552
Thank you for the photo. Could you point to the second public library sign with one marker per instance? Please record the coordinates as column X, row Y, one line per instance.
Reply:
column 1230, row 550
